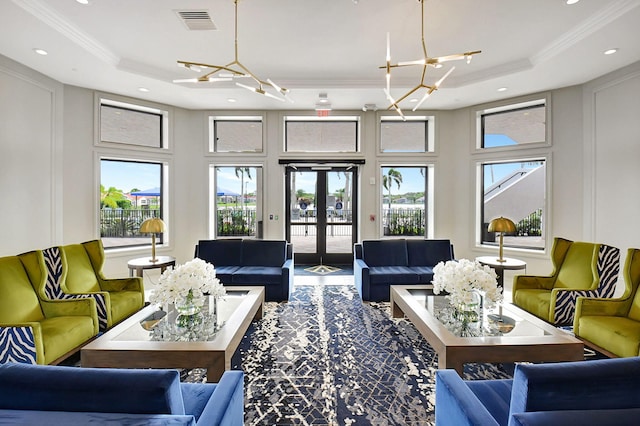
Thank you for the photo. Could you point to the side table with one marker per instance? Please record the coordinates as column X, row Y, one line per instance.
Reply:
column 139, row 265
column 508, row 264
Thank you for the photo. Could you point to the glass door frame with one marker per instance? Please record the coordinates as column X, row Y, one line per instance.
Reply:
column 320, row 256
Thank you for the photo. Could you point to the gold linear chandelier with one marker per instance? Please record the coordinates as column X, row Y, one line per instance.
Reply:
column 425, row 62
column 233, row 70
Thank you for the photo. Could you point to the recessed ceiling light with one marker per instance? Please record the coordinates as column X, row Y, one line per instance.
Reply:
column 83, row 1
column 610, row 51
column 572, row 1
column 502, row 89
column 413, row 100
column 41, row 51
column 232, row 100
column 143, row 89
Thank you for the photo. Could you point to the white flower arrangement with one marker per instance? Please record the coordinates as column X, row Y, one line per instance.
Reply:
column 193, row 280
column 461, row 278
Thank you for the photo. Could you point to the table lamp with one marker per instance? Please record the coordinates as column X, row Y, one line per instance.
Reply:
column 153, row 226
column 502, row 225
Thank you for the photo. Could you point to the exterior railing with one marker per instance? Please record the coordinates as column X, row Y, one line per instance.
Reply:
column 409, row 222
column 236, row 222
column 124, row 223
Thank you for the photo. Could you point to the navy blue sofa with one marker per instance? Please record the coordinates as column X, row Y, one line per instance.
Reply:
column 55, row 395
column 599, row 392
column 379, row 264
column 239, row 262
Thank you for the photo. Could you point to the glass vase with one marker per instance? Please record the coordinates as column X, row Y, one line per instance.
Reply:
column 470, row 312
column 185, row 305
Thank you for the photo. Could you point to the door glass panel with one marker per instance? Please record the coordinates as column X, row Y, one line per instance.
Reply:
column 303, row 211
column 339, row 212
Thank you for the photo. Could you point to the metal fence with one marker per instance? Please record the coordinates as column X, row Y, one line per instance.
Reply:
column 409, row 222
column 124, row 223
column 236, row 222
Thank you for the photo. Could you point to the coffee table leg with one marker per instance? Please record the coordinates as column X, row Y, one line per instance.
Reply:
column 444, row 363
column 216, row 369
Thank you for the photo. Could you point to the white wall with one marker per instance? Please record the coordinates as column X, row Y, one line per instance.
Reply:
column 49, row 171
column 30, row 159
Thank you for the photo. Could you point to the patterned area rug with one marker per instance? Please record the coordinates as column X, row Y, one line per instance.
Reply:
column 325, row 358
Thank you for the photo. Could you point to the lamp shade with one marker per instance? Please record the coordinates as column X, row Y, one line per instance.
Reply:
column 502, row 224
column 153, row 226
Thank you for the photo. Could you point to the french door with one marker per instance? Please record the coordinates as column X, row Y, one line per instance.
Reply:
column 322, row 213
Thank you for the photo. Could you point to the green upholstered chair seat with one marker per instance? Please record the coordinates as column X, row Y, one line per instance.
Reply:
column 61, row 334
column 535, row 301
column 124, row 303
column 619, row 335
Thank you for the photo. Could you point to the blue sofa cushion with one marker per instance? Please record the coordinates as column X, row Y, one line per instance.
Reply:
column 224, row 252
column 70, row 418
column 385, row 252
column 392, row 275
column 495, row 395
column 225, row 273
column 261, row 275
column 425, row 274
column 428, row 252
column 30, row 387
column 264, row 253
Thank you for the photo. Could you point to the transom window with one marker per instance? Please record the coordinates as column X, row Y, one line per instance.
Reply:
column 129, row 124
column 236, row 134
column 410, row 135
column 307, row 134
column 518, row 125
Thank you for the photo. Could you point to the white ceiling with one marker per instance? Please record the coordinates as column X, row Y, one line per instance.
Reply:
column 314, row 46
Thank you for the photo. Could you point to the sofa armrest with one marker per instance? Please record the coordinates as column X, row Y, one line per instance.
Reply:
column 226, row 405
column 533, row 282
column 579, row 385
column 122, row 284
column 361, row 278
column 628, row 417
column 357, row 251
column 601, row 306
column 456, row 404
column 22, row 342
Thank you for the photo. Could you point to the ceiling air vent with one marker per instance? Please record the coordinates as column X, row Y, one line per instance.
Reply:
column 197, row 19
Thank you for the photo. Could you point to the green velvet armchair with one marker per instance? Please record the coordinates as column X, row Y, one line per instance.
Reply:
column 81, row 275
column 35, row 330
column 580, row 269
column 612, row 326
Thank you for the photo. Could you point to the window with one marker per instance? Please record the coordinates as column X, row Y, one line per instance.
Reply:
column 404, row 200
column 130, row 192
column 518, row 125
column 515, row 190
column 236, row 134
column 412, row 135
column 237, row 203
column 306, row 134
column 130, row 124
column 513, row 180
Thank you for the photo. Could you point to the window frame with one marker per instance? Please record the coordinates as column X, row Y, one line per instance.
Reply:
column 211, row 123
column 429, row 120
column 138, row 106
column 429, row 197
column 355, row 119
column 165, row 166
column 510, row 106
column 213, row 199
column 539, row 151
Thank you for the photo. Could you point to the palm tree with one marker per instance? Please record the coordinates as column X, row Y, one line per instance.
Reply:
column 392, row 176
column 387, row 182
column 240, row 172
column 110, row 197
